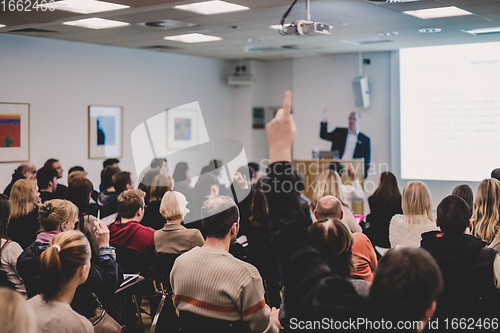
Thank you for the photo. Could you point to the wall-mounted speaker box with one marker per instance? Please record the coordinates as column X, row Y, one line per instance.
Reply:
column 361, row 91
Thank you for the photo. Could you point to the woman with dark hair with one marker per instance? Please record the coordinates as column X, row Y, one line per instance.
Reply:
column 24, row 200
column 182, row 181
column 152, row 218
column 465, row 192
column 79, row 192
column 384, row 204
column 9, row 250
column 206, row 187
column 64, row 265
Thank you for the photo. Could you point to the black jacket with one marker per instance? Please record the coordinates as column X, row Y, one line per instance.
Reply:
column 15, row 177
column 23, row 229
column 338, row 138
column 467, row 269
column 105, row 277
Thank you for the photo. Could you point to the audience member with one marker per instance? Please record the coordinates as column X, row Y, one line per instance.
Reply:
column 255, row 176
column 9, row 250
column 335, row 241
column 129, row 232
column 64, row 265
column 384, row 203
column 486, row 215
column 60, row 192
column 173, row 237
column 330, row 207
column 470, row 271
column 24, row 200
column 496, row 174
column 208, row 282
column 47, row 183
column 79, row 192
column 183, row 181
column 58, row 216
column 75, row 168
column 331, row 180
column 406, row 229
column 26, row 170
column 15, row 315
column 107, row 198
column 244, row 194
column 112, row 162
column 465, row 192
column 205, row 188
column 152, row 217
column 407, row 282
column 215, row 167
column 158, row 167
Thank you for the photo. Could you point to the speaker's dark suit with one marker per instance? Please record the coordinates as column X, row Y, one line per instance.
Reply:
column 338, row 138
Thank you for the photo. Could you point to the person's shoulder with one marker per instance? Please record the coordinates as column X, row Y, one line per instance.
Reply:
column 362, row 136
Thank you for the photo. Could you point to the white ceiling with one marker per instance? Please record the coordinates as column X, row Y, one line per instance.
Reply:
column 351, row 19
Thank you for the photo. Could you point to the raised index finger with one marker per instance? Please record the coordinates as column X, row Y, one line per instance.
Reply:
column 287, row 104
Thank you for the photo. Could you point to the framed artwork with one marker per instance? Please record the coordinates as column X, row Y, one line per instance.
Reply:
column 182, row 129
column 105, row 131
column 14, row 132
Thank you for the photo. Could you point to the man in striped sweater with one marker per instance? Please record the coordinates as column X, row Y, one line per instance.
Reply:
column 209, row 282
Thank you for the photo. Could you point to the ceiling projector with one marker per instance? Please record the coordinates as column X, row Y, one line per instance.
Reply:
column 304, row 27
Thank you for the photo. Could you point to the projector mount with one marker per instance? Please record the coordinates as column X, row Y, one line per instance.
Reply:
column 303, row 27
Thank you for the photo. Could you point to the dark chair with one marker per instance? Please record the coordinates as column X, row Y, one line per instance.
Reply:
column 162, row 276
column 193, row 323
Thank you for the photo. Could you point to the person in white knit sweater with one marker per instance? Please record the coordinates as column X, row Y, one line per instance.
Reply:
column 211, row 286
column 406, row 229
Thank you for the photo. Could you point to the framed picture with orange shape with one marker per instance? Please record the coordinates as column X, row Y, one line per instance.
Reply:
column 14, row 132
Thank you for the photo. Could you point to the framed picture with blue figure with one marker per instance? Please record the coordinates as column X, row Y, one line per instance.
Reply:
column 105, row 131
column 14, row 132
column 182, row 128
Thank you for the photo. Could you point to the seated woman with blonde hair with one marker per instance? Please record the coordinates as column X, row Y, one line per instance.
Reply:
column 406, row 229
column 329, row 183
column 64, row 265
column 57, row 216
column 486, row 216
column 173, row 237
column 15, row 315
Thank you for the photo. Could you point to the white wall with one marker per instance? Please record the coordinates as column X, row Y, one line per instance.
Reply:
column 61, row 79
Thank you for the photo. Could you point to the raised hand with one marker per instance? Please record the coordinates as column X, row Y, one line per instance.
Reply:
column 281, row 132
column 325, row 115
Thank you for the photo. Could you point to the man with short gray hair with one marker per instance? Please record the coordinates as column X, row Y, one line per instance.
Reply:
column 212, row 289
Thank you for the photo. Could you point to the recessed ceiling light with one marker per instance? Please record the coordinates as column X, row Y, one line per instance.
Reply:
column 193, row 38
column 211, row 7
column 87, row 6
column 96, row 23
column 2, row 25
column 483, row 31
column 388, row 33
column 255, row 40
column 279, row 26
column 429, row 30
column 432, row 13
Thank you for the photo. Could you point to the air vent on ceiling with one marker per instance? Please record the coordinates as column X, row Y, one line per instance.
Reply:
column 32, row 31
column 283, row 47
column 159, row 48
column 369, row 40
column 388, row 1
column 167, row 24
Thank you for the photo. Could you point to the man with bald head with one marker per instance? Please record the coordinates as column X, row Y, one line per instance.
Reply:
column 349, row 142
column 26, row 170
column 329, row 207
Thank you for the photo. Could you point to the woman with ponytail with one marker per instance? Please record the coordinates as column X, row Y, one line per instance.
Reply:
column 64, row 265
column 57, row 216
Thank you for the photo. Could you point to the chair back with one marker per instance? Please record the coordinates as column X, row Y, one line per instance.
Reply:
column 194, row 323
column 131, row 261
column 165, row 264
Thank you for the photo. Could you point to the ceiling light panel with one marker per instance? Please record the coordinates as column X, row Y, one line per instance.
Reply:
column 96, row 23
column 483, row 31
column 87, row 6
column 193, row 38
column 211, row 7
column 2, row 25
column 433, row 13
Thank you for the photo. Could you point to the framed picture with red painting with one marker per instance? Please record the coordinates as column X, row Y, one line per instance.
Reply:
column 14, row 132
